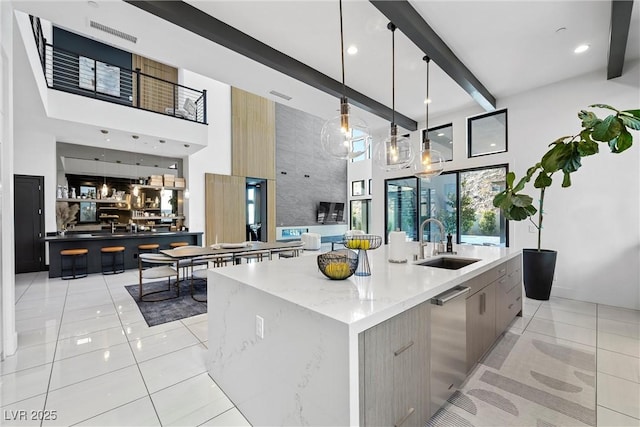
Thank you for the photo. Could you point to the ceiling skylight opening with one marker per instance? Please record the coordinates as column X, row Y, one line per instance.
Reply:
column 582, row 48
column 352, row 50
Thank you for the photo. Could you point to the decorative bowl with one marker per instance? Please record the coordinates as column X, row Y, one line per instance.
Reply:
column 338, row 265
column 363, row 241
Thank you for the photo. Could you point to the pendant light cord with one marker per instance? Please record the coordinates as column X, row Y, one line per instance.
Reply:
column 392, row 27
column 425, row 140
column 344, row 90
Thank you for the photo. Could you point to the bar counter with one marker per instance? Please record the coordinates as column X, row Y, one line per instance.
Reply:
column 95, row 241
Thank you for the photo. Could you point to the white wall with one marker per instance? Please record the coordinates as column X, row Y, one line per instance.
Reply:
column 8, row 335
column 216, row 158
column 595, row 224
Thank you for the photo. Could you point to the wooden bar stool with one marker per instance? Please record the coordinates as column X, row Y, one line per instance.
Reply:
column 174, row 245
column 76, row 255
column 109, row 255
column 148, row 248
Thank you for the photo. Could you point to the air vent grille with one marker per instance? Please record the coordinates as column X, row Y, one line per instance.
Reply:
column 281, row 95
column 113, row 31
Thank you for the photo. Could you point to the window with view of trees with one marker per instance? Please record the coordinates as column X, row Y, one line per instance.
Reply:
column 461, row 200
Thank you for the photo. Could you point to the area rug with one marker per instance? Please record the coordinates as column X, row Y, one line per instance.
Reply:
column 157, row 313
column 526, row 380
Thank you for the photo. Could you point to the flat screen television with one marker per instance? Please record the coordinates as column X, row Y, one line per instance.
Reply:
column 330, row 212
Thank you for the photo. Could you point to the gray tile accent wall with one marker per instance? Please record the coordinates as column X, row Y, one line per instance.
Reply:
column 299, row 153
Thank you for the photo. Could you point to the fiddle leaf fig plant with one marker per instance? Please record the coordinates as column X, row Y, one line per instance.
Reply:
column 565, row 157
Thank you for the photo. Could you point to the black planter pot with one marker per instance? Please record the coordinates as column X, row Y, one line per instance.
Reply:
column 538, row 268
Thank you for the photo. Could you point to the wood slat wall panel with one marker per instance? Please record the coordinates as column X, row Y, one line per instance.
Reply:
column 154, row 95
column 225, row 208
column 253, row 135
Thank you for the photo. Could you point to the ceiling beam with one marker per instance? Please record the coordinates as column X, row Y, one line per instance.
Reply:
column 618, row 35
column 412, row 25
column 204, row 25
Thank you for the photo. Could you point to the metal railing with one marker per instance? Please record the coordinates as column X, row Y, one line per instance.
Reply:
column 82, row 75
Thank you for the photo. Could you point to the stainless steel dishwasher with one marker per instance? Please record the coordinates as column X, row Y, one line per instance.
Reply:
column 448, row 344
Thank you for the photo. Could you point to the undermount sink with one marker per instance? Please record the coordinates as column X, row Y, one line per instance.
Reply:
column 449, row 263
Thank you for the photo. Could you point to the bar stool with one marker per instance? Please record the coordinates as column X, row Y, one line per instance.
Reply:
column 174, row 245
column 76, row 256
column 109, row 253
column 148, row 248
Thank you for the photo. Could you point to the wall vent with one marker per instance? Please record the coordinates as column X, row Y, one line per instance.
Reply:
column 281, row 95
column 113, row 31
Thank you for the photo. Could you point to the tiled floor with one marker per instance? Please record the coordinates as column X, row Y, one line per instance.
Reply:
column 86, row 353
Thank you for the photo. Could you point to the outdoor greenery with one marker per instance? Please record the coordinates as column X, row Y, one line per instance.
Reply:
column 487, row 223
column 565, row 156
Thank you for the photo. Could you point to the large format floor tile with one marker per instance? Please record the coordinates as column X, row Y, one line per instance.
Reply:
column 165, row 342
column 230, row 418
column 137, row 413
column 73, row 346
column 573, row 306
column 570, row 318
column 85, row 399
column 169, row 369
column 609, row 418
column 24, row 384
column 20, row 413
column 619, row 314
column 191, row 402
column 619, row 344
column 28, row 357
column 562, row 330
column 619, row 395
column 619, row 365
column 626, row 329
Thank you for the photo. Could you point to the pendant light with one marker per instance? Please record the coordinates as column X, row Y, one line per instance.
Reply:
column 430, row 163
column 104, row 192
column 345, row 136
column 395, row 152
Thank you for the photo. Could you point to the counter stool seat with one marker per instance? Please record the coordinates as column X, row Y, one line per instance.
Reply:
column 77, row 270
column 178, row 244
column 148, row 247
column 109, row 261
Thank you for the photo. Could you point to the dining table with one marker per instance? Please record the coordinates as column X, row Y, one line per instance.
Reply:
column 230, row 249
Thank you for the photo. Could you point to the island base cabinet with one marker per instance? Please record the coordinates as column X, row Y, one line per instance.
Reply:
column 394, row 370
column 481, row 323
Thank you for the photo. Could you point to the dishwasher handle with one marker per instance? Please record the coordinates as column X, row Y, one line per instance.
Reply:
column 449, row 295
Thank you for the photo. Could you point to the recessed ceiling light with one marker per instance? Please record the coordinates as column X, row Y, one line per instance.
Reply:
column 352, row 50
column 186, row 146
column 427, row 101
column 107, row 139
column 92, row 3
column 162, row 141
column 492, row 145
column 441, row 134
column 118, row 161
column 104, row 131
column 581, row 48
column 135, row 136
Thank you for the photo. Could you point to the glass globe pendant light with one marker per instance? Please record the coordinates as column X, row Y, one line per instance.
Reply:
column 345, row 136
column 430, row 163
column 395, row 152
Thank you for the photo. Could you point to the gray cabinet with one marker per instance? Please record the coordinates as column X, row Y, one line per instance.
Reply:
column 509, row 295
column 394, row 370
column 481, row 323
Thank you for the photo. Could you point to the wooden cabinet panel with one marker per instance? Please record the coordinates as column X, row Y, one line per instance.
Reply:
column 225, row 204
column 253, row 135
column 395, row 370
column 508, row 305
column 155, row 95
column 481, row 323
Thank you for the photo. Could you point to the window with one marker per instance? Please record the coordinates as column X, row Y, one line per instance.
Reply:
column 360, row 215
column 487, row 134
column 358, row 145
column 370, row 189
column 461, row 200
column 357, row 188
column 401, row 199
column 441, row 138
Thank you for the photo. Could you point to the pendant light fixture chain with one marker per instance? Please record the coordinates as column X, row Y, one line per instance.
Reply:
column 426, row 143
column 391, row 26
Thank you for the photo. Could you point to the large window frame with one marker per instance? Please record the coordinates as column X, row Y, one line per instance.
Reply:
column 501, row 135
column 436, row 142
column 419, row 202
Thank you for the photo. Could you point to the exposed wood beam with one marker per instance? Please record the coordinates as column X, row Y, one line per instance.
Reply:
column 618, row 35
column 198, row 22
column 409, row 21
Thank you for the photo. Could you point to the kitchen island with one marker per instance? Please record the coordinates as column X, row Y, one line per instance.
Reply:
column 291, row 347
column 95, row 241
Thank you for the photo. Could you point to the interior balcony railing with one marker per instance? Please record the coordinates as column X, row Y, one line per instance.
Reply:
column 82, row 75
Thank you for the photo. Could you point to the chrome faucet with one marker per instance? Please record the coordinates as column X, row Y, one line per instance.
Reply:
column 421, row 234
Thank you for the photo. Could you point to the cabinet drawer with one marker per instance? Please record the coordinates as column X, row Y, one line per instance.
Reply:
column 508, row 305
column 514, row 264
column 479, row 282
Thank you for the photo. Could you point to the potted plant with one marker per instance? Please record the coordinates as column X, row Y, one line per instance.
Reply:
column 565, row 157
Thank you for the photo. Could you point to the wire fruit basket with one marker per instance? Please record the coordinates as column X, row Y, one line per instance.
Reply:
column 338, row 265
column 363, row 243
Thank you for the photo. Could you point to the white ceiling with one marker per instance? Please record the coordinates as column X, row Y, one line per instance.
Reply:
column 510, row 46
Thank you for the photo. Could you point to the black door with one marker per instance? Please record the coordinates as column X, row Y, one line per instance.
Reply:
column 29, row 223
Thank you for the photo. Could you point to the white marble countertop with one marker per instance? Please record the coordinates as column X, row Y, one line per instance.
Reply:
column 362, row 302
